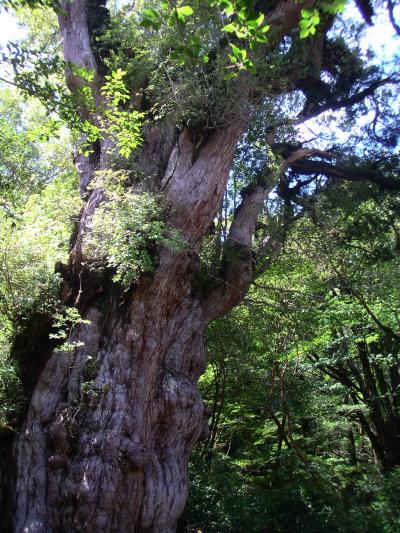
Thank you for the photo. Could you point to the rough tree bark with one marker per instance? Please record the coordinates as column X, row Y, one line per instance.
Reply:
column 115, row 459
column 110, row 426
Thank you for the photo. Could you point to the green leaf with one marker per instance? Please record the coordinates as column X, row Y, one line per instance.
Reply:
column 235, row 50
column 150, row 19
column 249, row 65
column 230, row 28
column 304, row 24
column 230, row 75
column 261, row 38
column 254, row 23
column 118, row 74
column 185, row 11
column 150, row 14
column 227, row 6
column 306, row 13
column 315, row 19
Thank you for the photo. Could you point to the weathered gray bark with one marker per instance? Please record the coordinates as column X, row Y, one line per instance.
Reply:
column 110, row 426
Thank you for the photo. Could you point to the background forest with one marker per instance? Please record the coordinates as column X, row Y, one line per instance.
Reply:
column 303, row 378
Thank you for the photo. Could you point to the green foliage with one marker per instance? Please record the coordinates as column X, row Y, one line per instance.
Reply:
column 186, row 83
column 22, row 168
column 39, row 196
column 64, row 322
column 153, row 18
column 11, row 398
column 121, row 125
column 32, row 245
column 287, row 448
column 385, row 504
column 310, row 19
column 284, row 496
column 125, row 227
column 42, row 77
column 115, row 120
column 240, row 19
column 246, row 23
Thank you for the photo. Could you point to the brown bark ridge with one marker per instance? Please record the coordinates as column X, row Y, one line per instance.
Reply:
column 110, row 426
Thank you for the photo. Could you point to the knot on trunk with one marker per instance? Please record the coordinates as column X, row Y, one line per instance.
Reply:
column 182, row 407
column 178, row 393
column 132, row 455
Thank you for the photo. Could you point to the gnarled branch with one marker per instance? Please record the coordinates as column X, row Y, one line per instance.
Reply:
column 333, row 104
column 309, row 167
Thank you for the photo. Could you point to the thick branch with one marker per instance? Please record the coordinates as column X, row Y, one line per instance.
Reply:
column 396, row 27
column 334, row 105
column 74, row 27
column 195, row 180
column 238, row 263
column 285, row 16
column 302, row 153
column 309, row 167
column 239, row 266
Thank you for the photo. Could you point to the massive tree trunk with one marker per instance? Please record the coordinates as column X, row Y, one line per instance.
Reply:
column 110, row 425
column 105, row 442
